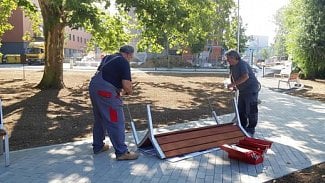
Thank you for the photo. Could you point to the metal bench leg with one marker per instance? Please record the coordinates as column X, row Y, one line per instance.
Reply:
column 7, row 161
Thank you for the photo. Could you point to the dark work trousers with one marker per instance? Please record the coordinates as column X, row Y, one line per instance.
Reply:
column 108, row 114
column 248, row 111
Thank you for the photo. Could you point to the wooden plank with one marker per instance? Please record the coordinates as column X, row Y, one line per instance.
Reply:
column 201, row 147
column 201, row 140
column 183, row 135
column 194, row 129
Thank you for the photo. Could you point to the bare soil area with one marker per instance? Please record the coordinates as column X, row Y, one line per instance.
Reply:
column 37, row 118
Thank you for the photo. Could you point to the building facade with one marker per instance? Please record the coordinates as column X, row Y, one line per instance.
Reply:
column 13, row 43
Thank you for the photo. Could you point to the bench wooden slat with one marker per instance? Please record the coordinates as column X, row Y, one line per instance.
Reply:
column 201, row 147
column 194, row 133
column 201, row 140
column 194, row 129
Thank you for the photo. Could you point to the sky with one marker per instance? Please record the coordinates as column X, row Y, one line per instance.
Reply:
column 259, row 16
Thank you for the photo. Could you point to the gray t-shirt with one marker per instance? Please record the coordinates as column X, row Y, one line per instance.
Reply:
column 241, row 68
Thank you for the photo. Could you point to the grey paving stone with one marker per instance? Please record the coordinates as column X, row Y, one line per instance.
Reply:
column 294, row 124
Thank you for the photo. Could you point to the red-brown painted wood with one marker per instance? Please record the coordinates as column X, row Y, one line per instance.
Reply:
column 198, row 139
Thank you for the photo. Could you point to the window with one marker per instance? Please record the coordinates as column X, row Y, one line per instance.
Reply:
column 69, row 36
column 72, row 37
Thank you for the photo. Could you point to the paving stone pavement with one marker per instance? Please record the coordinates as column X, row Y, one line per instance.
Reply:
column 296, row 126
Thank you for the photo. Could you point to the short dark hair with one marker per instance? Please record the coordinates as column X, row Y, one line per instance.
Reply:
column 127, row 49
column 233, row 53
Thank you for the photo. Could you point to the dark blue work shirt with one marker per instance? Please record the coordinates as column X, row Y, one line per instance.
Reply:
column 249, row 86
column 116, row 71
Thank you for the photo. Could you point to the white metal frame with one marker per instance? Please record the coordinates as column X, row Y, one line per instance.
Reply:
column 148, row 136
column 151, row 134
column 6, row 138
column 237, row 115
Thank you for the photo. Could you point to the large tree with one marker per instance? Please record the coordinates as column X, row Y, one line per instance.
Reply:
column 305, row 22
column 58, row 14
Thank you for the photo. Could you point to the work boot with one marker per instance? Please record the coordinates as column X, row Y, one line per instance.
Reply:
column 128, row 156
column 104, row 148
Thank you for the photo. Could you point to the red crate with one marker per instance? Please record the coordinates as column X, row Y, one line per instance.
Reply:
column 243, row 154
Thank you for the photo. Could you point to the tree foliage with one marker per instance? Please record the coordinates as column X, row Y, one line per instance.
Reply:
column 173, row 23
column 265, row 53
column 305, row 22
column 221, row 25
column 231, row 36
column 279, row 46
column 112, row 34
column 6, row 8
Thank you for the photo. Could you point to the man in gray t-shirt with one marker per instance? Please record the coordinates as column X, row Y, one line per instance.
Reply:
column 244, row 80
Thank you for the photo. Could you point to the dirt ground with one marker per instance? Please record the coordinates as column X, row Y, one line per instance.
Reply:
column 37, row 118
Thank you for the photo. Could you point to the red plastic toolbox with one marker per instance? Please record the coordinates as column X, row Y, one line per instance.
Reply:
column 257, row 149
column 258, row 145
column 243, row 154
column 258, row 142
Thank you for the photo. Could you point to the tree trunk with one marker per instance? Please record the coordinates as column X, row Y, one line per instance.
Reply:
column 54, row 41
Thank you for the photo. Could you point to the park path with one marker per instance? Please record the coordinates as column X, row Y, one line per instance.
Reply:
column 296, row 126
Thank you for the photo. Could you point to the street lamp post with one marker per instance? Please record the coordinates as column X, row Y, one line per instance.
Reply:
column 251, row 56
column 238, row 28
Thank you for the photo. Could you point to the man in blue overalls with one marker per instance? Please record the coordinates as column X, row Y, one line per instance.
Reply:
column 112, row 79
column 243, row 79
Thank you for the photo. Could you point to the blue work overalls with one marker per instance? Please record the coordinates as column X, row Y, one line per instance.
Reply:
column 248, row 111
column 108, row 113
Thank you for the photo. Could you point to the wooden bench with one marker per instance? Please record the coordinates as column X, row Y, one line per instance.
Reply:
column 176, row 143
column 293, row 78
column 198, row 139
column 4, row 136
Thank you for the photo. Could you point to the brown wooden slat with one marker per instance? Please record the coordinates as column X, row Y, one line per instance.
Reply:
column 200, row 140
column 194, row 129
column 201, row 147
column 181, row 135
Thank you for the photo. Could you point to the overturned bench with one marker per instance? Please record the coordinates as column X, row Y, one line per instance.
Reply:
column 181, row 142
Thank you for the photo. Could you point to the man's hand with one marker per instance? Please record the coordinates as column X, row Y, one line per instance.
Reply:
column 231, row 86
column 127, row 87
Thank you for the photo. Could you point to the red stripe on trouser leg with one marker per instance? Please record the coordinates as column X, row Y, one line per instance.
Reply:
column 105, row 94
column 113, row 114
